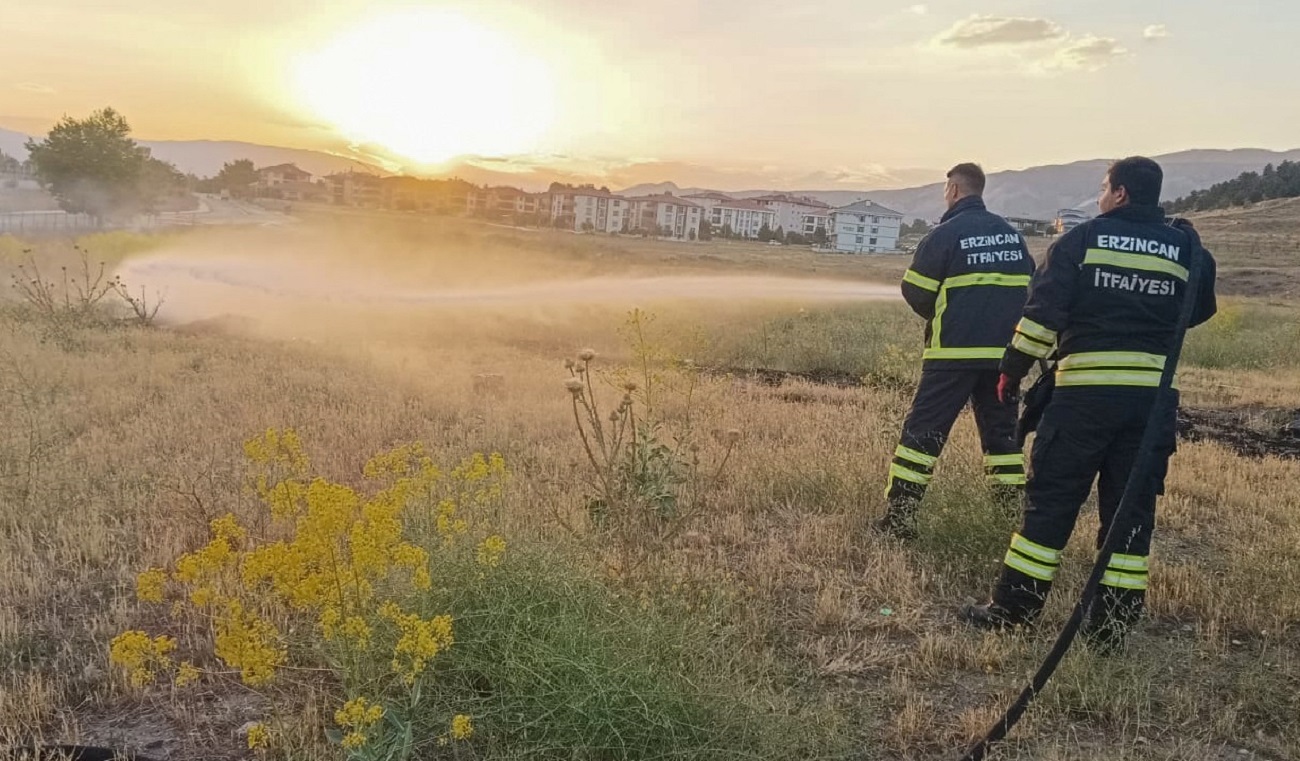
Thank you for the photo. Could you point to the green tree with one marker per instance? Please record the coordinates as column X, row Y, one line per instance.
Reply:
column 9, row 164
column 236, row 178
column 92, row 165
column 158, row 181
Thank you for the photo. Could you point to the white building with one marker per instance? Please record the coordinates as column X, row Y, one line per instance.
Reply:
column 708, row 200
column 796, row 214
column 743, row 218
column 588, row 209
column 665, row 216
column 1068, row 219
column 865, row 227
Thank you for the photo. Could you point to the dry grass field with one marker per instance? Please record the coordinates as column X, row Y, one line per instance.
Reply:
column 703, row 584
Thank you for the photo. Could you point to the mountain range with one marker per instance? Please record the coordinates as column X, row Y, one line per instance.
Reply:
column 1036, row 192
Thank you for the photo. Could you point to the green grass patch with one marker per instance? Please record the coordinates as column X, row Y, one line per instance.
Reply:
column 1245, row 336
column 554, row 664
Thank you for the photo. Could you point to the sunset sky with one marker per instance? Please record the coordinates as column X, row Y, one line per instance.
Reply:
column 820, row 90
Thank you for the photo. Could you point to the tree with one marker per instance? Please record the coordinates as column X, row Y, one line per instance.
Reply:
column 9, row 164
column 236, row 178
column 765, row 233
column 819, row 236
column 158, row 181
column 706, row 230
column 91, row 165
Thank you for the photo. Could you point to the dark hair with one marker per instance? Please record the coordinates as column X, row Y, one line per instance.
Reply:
column 969, row 177
column 1140, row 176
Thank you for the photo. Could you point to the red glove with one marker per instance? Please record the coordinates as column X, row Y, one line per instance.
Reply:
column 1007, row 389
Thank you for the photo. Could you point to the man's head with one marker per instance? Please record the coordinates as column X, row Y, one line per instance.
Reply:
column 963, row 180
column 1134, row 180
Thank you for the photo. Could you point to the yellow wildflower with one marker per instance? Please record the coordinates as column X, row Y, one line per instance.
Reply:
column 139, row 655
column 228, row 528
column 357, row 715
column 149, row 585
column 420, row 642
column 357, row 628
column 462, row 727
column 490, row 551
column 258, row 736
column 248, row 643
column 186, row 674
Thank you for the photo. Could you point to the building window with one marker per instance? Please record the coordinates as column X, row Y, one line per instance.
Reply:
column 875, row 220
column 875, row 230
column 862, row 218
column 873, row 241
column 859, row 239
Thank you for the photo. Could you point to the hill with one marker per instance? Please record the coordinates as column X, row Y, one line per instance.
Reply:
column 1040, row 191
column 1274, row 182
column 204, row 158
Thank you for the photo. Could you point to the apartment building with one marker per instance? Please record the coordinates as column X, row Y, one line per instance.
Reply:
column 742, row 218
column 586, row 208
column 865, row 227
column 796, row 214
column 664, row 215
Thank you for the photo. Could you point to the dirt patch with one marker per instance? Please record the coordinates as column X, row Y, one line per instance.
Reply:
column 1248, row 431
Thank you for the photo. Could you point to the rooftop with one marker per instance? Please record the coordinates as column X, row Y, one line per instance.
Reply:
column 868, row 207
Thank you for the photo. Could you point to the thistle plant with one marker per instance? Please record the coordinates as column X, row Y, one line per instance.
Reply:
column 646, row 469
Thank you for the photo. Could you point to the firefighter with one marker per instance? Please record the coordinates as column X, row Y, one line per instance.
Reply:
column 969, row 279
column 1106, row 303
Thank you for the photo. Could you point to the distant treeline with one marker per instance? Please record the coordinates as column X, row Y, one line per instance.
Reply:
column 1282, row 181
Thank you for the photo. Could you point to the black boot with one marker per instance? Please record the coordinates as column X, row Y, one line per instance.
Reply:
column 899, row 521
column 1113, row 614
column 989, row 616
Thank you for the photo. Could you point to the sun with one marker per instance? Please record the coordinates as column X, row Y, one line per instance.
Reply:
column 429, row 85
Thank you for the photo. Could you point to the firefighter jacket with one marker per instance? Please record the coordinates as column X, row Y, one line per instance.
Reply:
column 1107, row 300
column 969, row 279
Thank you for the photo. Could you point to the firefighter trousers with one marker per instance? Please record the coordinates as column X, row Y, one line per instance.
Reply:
column 940, row 398
column 1086, row 434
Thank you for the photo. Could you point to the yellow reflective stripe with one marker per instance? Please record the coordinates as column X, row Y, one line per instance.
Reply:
column 986, row 278
column 1004, row 459
column 898, row 471
column 1109, row 378
column 1029, row 346
column 936, row 325
column 974, row 352
column 1029, row 567
column 1036, row 331
column 1124, row 580
column 1126, row 359
column 1035, row 550
column 1128, row 562
column 921, row 281
column 920, row 458
column 1010, row 479
column 1144, row 262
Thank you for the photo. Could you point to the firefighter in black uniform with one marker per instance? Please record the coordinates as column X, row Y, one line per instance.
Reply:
column 1106, row 303
column 969, row 280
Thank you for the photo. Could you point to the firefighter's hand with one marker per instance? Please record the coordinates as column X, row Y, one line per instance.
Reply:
column 1008, row 389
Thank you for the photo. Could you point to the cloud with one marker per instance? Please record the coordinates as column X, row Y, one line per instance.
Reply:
column 1035, row 45
column 35, row 87
column 1087, row 53
column 986, row 31
column 1155, row 33
column 918, row 10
